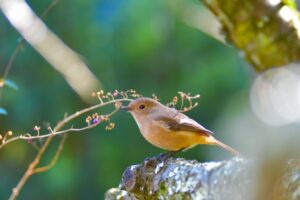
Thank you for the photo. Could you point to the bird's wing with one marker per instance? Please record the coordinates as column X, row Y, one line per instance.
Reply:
column 181, row 124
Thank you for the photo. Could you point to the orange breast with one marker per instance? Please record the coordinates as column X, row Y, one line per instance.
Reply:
column 173, row 140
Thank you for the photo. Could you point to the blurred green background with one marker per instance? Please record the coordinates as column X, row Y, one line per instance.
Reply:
column 139, row 44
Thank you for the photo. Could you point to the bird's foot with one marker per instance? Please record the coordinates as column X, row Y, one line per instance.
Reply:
column 167, row 155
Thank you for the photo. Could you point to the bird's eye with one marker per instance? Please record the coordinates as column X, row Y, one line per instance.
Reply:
column 142, row 106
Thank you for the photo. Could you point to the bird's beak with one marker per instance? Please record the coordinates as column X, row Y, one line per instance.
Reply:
column 126, row 108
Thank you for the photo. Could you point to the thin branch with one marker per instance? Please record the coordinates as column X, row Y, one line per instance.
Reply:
column 12, row 59
column 32, row 166
column 48, row 9
column 28, row 138
column 63, row 122
column 30, row 170
column 55, row 158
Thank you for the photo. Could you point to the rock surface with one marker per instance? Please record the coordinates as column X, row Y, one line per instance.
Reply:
column 177, row 178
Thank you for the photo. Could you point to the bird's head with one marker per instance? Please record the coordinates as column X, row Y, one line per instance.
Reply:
column 141, row 108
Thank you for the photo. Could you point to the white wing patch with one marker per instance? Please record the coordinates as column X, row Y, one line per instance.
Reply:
column 163, row 125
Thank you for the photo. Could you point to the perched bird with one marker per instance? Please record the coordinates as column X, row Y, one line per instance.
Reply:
column 169, row 129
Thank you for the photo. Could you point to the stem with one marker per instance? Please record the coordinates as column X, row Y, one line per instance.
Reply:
column 32, row 166
column 30, row 169
column 65, row 121
column 55, row 158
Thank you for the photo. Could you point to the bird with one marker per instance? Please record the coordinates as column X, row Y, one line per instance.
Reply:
column 170, row 129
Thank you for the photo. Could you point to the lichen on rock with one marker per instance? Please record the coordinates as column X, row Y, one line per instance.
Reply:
column 266, row 32
column 177, row 178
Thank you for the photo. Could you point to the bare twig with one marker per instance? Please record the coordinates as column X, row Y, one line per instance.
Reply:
column 48, row 9
column 183, row 98
column 12, row 59
column 55, row 158
column 62, row 123
column 32, row 168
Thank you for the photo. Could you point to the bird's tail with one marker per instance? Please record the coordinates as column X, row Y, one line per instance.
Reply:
column 227, row 148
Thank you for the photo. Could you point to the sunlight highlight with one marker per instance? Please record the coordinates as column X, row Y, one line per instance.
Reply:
column 21, row 16
column 45, row 42
column 290, row 15
column 273, row 2
column 275, row 96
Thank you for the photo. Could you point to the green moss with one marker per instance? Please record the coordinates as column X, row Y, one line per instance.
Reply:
column 290, row 3
column 256, row 28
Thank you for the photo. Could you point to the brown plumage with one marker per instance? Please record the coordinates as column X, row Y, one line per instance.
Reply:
column 169, row 129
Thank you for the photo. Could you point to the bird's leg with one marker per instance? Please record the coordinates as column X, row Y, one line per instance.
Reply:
column 169, row 154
